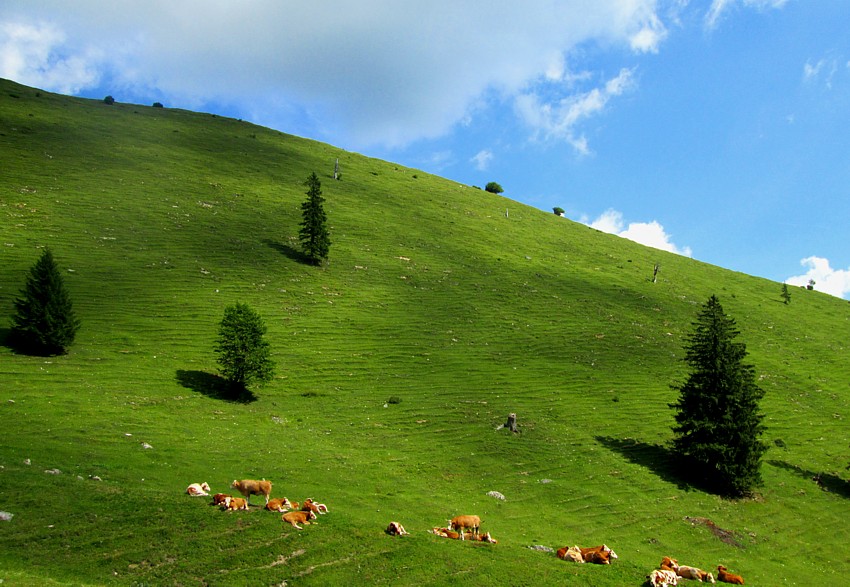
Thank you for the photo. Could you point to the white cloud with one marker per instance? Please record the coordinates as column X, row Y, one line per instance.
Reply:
column 651, row 234
column 558, row 119
column 368, row 72
column 30, row 55
column 482, row 159
column 835, row 282
column 719, row 7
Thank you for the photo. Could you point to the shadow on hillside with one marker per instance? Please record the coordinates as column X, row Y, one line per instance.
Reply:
column 826, row 481
column 288, row 251
column 654, row 457
column 213, row 386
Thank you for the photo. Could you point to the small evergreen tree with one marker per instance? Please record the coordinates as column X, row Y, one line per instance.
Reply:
column 718, row 420
column 243, row 354
column 315, row 240
column 44, row 321
column 786, row 295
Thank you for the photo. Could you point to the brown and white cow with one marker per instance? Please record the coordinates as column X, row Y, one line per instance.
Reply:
column 249, row 487
column 299, row 517
column 313, row 506
column 279, row 504
column 687, row 572
column 601, row 555
column 235, row 503
column 726, row 577
column 461, row 523
column 663, row 578
column 198, row 489
column 396, row 529
column 570, row 553
column 220, row 498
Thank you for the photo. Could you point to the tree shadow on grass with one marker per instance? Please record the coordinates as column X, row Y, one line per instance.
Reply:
column 214, row 387
column 288, row 251
column 826, row 481
column 658, row 459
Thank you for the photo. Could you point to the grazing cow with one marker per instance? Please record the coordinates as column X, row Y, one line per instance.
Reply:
column 396, row 529
column 591, row 551
column 249, row 487
column 198, row 489
column 316, row 508
column 220, row 498
column 299, row 517
column 461, row 523
column 571, row 553
column 279, row 504
column 687, row 572
column 235, row 503
column 662, row 578
column 725, row 577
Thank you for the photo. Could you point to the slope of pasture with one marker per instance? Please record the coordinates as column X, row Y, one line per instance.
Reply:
column 460, row 305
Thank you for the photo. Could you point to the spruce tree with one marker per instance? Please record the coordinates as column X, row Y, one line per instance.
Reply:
column 718, row 420
column 44, row 322
column 315, row 241
column 244, row 356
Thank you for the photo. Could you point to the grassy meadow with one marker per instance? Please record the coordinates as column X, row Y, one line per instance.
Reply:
column 458, row 305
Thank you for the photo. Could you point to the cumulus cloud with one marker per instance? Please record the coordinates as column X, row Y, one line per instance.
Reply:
column 835, row 282
column 719, row 7
column 365, row 73
column 651, row 234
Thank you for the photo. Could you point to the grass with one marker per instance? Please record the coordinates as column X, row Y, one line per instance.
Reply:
column 434, row 299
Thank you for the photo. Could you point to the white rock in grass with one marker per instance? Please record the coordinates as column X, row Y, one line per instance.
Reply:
column 146, row 446
column 6, row 516
column 53, row 472
column 496, row 494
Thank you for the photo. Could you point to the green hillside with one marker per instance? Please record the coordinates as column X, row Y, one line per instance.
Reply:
column 459, row 305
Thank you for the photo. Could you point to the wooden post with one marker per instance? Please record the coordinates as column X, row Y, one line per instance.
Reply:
column 511, row 423
column 336, row 169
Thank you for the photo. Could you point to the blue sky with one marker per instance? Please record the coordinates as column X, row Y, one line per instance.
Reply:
column 717, row 129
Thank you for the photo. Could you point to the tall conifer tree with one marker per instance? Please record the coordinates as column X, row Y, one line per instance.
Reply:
column 315, row 240
column 244, row 356
column 44, row 321
column 718, row 420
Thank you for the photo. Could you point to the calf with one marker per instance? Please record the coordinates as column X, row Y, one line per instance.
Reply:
column 316, row 508
column 662, row 578
column 687, row 572
column 669, row 564
column 480, row 537
column 572, row 553
column 249, row 487
column 235, row 503
column 220, row 499
column 591, row 552
column 279, row 504
column 461, row 523
column 198, row 489
column 396, row 529
column 445, row 533
column 725, row 577
column 300, row 517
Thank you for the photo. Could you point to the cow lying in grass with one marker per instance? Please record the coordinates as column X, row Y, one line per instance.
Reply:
column 299, row 517
column 725, row 577
column 684, row 571
column 249, row 487
column 449, row 533
column 279, row 504
column 663, row 578
column 316, row 508
column 235, row 503
column 198, row 489
column 220, row 498
column 600, row 555
column 570, row 553
column 396, row 529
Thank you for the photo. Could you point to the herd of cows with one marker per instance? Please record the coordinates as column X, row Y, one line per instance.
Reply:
column 465, row 527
